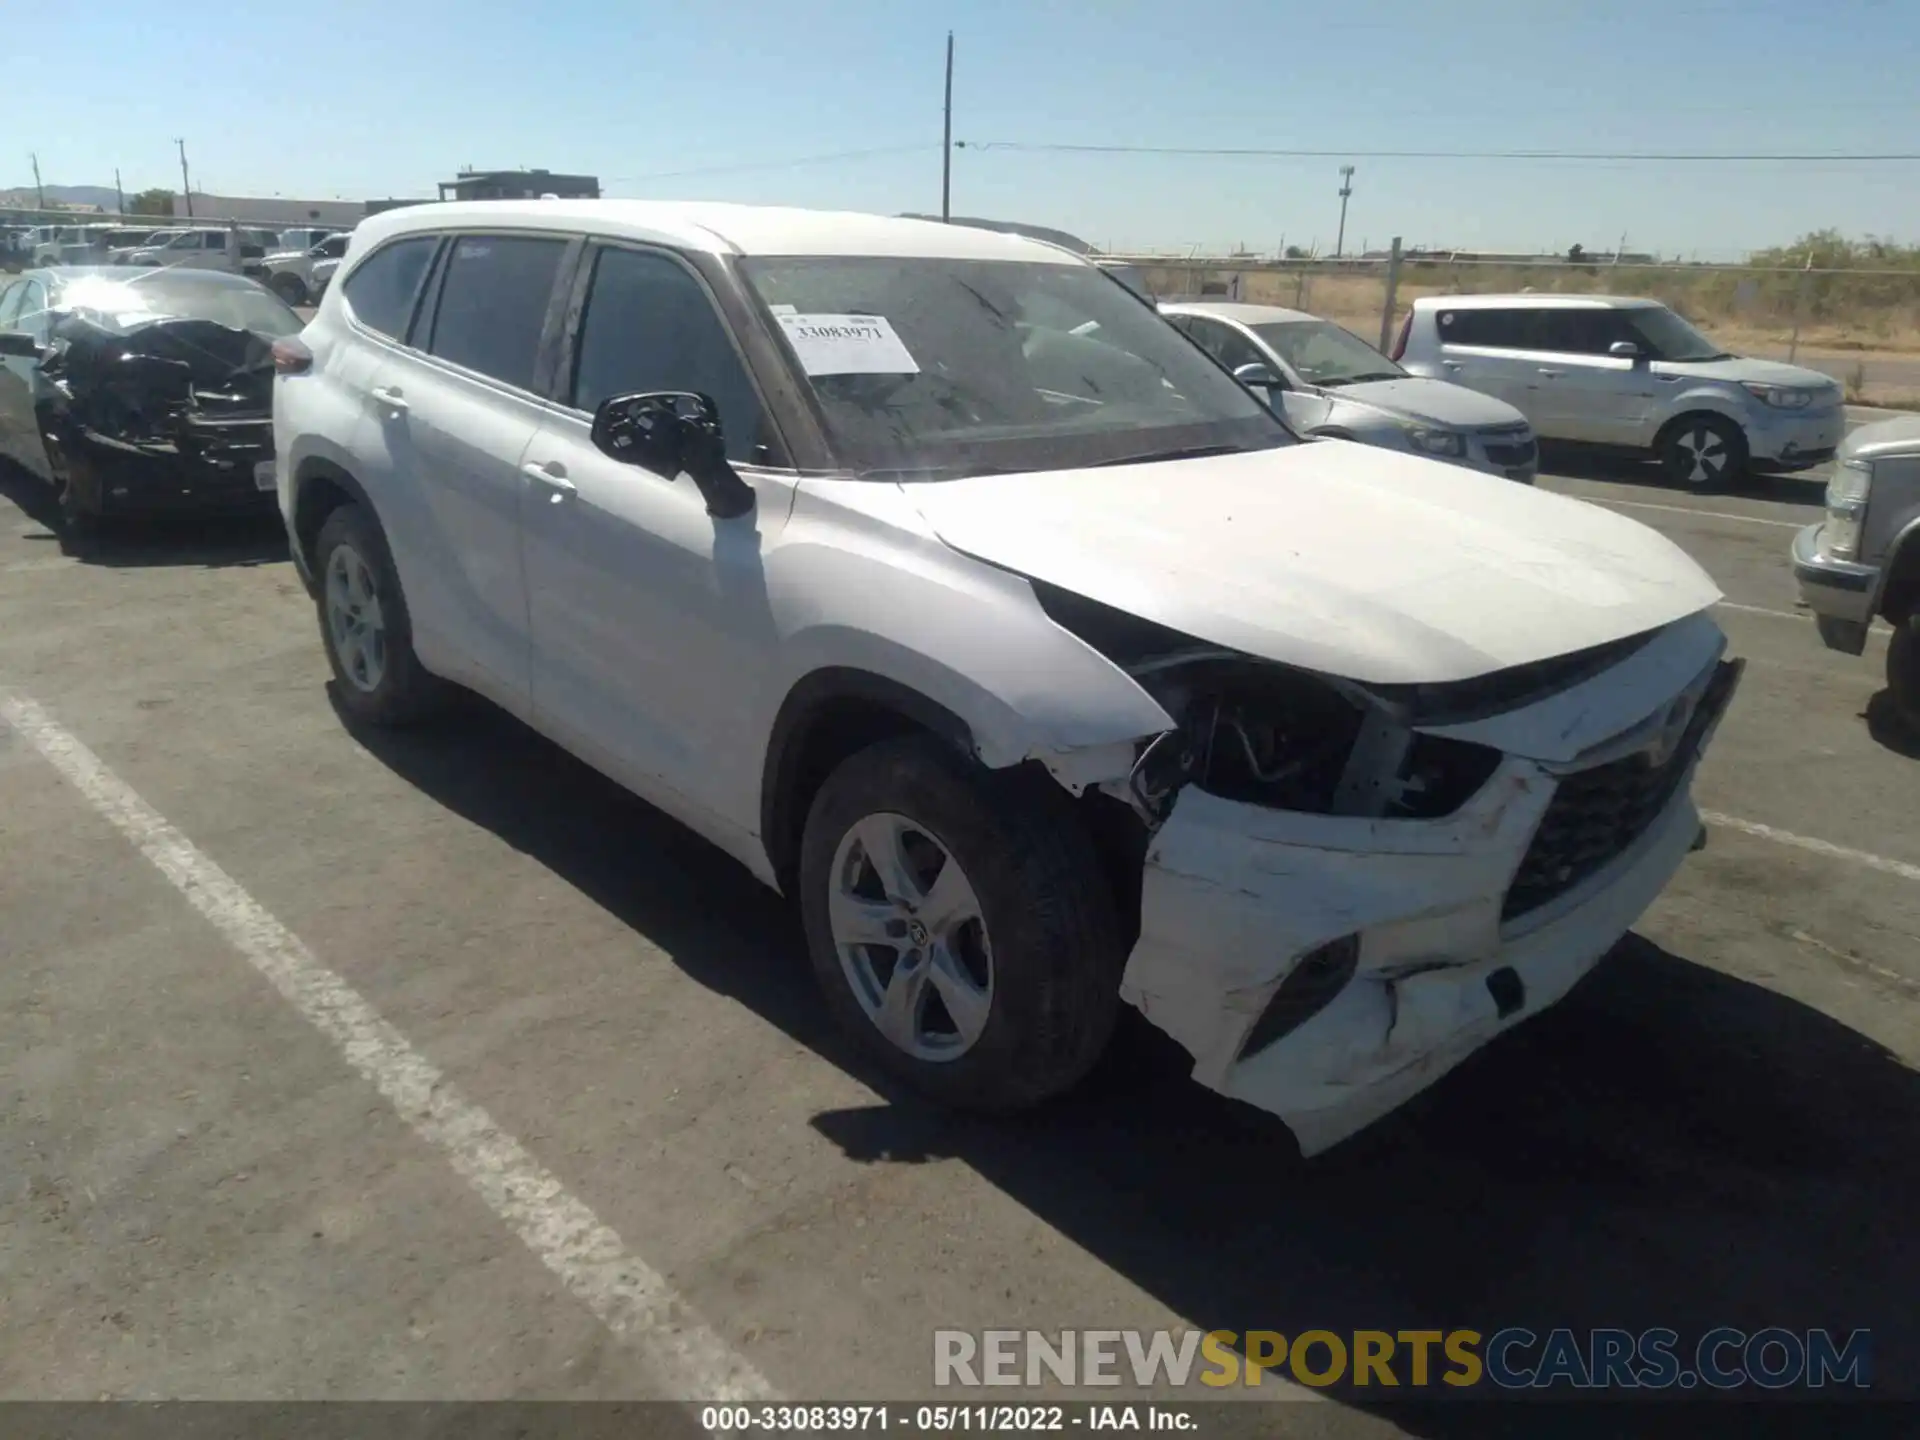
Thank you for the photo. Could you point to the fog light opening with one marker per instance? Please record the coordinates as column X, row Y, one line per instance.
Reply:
column 1310, row 987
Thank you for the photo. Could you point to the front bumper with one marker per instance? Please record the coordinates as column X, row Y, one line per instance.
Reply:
column 1235, row 897
column 1841, row 593
column 1785, row 440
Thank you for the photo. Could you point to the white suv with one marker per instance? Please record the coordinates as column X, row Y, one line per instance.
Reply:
column 1630, row 375
column 1045, row 671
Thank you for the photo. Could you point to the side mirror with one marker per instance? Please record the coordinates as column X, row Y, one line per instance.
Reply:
column 670, row 432
column 1624, row 350
column 1256, row 376
column 19, row 344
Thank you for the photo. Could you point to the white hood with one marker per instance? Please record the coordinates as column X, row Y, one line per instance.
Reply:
column 1336, row 557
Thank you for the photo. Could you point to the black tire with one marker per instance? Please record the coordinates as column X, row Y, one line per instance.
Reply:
column 403, row 692
column 79, row 522
column 1055, row 939
column 289, row 288
column 1903, row 672
column 1704, row 453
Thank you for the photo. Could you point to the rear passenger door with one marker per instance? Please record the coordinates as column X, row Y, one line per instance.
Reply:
column 1490, row 350
column 1583, row 393
column 652, row 631
column 455, row 412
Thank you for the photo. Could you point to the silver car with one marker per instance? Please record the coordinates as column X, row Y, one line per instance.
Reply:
column 1328, row 381
column 1630, row 375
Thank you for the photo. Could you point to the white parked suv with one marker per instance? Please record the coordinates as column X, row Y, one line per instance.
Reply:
column 1630, row 375
column 1044, row 671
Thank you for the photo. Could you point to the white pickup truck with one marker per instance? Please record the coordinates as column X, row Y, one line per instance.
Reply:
column 206, row 247
column 298, row 276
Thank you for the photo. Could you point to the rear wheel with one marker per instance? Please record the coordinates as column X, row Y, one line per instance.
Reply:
column 959, row 925
column 365, row 626
column 1704, row 452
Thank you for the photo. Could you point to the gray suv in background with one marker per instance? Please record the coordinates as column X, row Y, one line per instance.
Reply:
column 1328, row 382
column 1630, row 375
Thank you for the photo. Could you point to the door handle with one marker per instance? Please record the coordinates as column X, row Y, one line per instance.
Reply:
column 391, row 397
column 1451, row 365
column 1555, row 374
column 553, row 475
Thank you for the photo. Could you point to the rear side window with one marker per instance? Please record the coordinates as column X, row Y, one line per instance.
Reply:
column 1502, row 329
column 493, row 304
column 380, row 292
column 650, row 326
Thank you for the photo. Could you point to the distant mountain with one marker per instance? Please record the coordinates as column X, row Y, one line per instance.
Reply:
column 102, row 195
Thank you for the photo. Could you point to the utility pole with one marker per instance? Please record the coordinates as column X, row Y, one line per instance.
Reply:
column 186, row 184
column 38, row 189
column 119, row 195
column 946, row 142
column 1346, row 189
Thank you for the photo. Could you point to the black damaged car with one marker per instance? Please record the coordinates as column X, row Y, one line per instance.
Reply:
column 135, row 391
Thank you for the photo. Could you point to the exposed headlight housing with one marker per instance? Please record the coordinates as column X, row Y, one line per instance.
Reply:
column 1448, row 444
column 1847, row 495
column 1779, row 397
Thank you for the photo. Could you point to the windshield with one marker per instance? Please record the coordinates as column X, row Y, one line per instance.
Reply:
column 950, row 367
column 1324, row 354
column 124, row 304
column 1670, row 337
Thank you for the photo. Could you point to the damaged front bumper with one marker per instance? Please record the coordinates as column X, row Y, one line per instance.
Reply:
column 1420, row 940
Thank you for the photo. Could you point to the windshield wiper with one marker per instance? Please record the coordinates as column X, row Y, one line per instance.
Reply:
column 1191, row 452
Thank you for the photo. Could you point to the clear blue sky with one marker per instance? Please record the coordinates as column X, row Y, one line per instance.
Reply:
column 356, row 98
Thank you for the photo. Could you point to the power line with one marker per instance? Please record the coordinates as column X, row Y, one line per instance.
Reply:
column 794, row 163
column 1637, row 156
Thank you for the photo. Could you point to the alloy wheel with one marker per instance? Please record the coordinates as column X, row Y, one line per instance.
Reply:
column 911, row 938
column 355, row 626
column 1704, row 454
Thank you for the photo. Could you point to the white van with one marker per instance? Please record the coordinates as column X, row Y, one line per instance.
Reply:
column 1631, row 375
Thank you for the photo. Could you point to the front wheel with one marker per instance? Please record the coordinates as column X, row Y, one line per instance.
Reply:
column 959, row 925
column 1704, row 452
column 1903, row 672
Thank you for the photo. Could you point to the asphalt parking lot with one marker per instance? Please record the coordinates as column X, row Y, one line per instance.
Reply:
column 356, row 1065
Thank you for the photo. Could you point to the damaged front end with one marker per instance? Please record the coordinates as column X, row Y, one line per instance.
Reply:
column 166, row 413
column 1348, row 889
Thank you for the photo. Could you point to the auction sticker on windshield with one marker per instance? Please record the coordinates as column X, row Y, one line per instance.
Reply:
column 847, row 345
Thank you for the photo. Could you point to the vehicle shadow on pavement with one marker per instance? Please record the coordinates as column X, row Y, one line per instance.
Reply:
column 212, row 541
column 1578, row 463
column 1670, row 1146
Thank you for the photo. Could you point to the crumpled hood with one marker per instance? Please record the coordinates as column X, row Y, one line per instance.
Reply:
column 1737, row 368
column 1337, row 557
column 1434, row 401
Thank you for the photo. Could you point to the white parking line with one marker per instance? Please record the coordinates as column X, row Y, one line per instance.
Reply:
column 690, row 1361
column 1760, row 610
column 1818, row 847
column 1689, row 510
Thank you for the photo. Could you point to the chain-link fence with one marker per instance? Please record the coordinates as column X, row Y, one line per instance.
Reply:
column 1859, row 325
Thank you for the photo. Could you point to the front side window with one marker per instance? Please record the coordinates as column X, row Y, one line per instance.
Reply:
column 333, row 247
column 493, row 304
column 1663, row 335
column 1226, row 344
column 939, row 367
column 381, row 289
column 216, row 241
column 1323, row 354
column 650, row 326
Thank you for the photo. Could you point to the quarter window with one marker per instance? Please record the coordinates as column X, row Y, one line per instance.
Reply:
column 650, row 326
column 380, row 291
column 493, row 304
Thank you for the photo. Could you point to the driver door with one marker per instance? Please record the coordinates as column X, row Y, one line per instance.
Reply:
column 651, row 626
